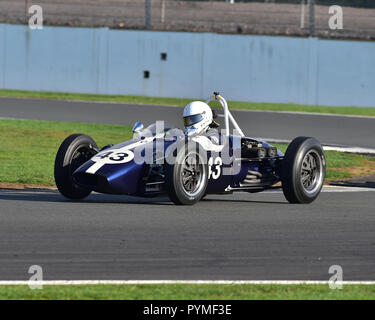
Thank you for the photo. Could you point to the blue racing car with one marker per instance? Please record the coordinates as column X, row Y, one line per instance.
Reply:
column 188, row 164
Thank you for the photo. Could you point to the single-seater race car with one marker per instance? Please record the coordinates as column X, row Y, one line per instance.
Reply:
column 167, row 161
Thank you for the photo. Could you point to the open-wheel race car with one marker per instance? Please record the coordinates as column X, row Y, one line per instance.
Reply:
column 186, row 166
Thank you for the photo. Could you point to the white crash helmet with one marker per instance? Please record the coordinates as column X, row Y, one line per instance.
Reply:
column 197, row 117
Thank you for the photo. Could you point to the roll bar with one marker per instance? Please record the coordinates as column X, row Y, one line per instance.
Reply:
column 227, row 115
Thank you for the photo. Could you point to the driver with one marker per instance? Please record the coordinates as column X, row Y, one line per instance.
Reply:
column 199, row 119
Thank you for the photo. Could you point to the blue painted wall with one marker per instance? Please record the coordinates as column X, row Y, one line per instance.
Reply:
column 241, row 67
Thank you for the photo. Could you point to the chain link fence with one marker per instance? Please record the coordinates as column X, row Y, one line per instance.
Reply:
column 269, row 17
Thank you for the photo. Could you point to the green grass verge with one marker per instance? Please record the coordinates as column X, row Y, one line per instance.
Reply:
column 182, row 102
column 190, row 292
column 28, row 149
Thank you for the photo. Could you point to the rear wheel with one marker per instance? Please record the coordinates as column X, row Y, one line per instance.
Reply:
column 303, row 170
column 186, row 179
column 73, row 152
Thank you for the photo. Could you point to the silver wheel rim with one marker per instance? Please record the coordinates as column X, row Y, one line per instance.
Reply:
column 311, row 172
column 192, row 174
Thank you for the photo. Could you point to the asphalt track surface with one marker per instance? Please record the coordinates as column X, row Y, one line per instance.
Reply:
column 336, row 130
column 233, row 237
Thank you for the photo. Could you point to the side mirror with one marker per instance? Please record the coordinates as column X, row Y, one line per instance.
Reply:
column 138, row 126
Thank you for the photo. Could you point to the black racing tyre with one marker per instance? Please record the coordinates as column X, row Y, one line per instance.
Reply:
column 303, row 170
column 186, row 180
column 73, row 152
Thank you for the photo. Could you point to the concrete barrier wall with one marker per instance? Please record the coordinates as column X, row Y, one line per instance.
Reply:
column 241, row 67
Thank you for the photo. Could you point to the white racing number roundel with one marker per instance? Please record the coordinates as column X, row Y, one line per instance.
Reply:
column 114, row 157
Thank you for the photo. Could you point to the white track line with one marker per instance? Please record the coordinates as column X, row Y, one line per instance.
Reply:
column 333, row 189
column 136, row 282
column 327, row 147
column 350, row 149
column 345, row 189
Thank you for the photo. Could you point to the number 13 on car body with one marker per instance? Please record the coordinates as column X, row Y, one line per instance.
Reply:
column 215, row 172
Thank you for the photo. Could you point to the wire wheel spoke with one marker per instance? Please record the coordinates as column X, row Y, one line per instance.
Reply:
column 186, row 179
column 189, row 185
column 306, row 163
column 305, row 178
column 194, row 183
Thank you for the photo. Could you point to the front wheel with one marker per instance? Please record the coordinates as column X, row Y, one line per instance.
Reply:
column 303, row 170
column 186, row 179
column 73, row 152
